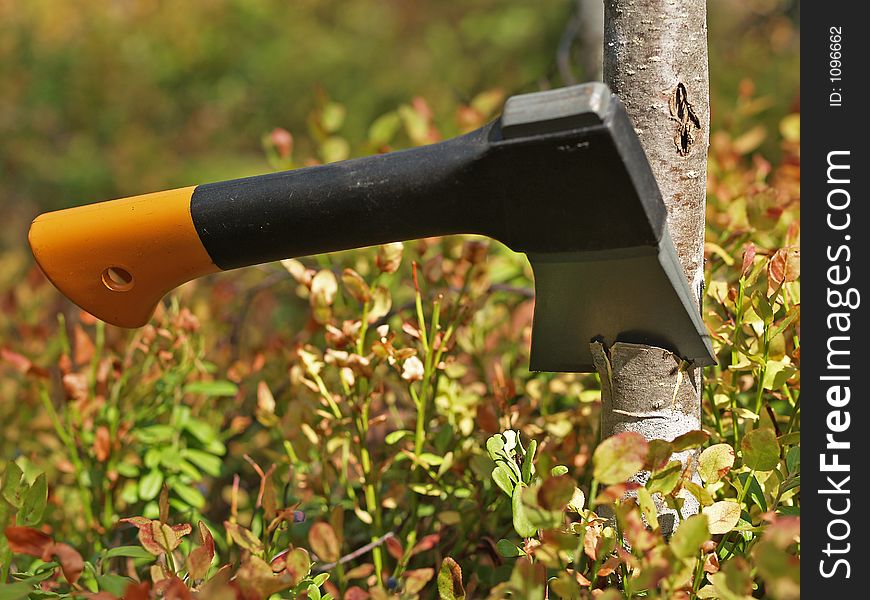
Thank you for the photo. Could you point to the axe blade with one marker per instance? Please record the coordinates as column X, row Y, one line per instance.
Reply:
column 636, row 295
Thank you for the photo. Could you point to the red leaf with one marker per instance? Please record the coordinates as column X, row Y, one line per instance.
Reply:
column 199, row 559
column 784, row 266
column 26, row 540
column 427, row 543
column 394, row 547
column 71, row 562
column 356, row 593
column 748, row 257
column 137, row 591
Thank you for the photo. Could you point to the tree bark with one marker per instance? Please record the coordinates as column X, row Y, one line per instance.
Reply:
column 655, row 59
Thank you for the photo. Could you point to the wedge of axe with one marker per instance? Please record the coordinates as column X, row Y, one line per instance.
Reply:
column 560, row 176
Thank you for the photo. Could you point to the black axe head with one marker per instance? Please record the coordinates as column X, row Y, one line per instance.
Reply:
column 614, row 274
column 560, row 176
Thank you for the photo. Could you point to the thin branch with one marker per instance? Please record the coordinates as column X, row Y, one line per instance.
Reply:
column 356, row 553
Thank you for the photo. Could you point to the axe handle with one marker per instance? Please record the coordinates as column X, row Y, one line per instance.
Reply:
column 117, row 259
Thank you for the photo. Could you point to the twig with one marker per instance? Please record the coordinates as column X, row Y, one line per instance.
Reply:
column 356, row 553
column 563, row 52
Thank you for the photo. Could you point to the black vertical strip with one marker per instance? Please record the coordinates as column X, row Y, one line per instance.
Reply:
column 835, row 300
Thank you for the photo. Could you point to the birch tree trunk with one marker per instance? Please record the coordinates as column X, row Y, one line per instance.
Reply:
column 655, row 58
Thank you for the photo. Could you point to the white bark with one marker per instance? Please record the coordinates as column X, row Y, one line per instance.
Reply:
column 655, row 59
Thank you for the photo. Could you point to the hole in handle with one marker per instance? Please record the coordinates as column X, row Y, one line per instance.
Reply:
column 118, row 279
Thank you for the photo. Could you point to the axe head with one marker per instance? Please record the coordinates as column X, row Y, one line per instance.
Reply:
column 607, row 270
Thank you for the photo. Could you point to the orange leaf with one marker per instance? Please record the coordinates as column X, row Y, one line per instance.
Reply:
column 102, row 443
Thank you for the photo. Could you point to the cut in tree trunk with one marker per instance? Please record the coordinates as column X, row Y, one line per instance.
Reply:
column 655, row 58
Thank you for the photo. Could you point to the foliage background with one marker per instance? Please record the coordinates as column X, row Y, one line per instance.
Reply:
column 105, row 99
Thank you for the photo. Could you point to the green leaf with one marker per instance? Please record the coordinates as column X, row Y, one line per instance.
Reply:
column 450, row 581
column 793, row 460
column 207, row 462
column 503, row 480
column 689, row 536
column 384, row 129
column 13, row 488
column 150, row 484
column 522, row 525
column 395, row 436
column 190, row 496
column 34, row 502
column 494, row 445
column 715, row 462
column 698, row 492
column 508, row 549
column 559, row 470
column 648, row 507
column 528, row 465
column 754, row 493
column 19, row 590
column 690, row 439
column 760, row 450
column 665, row 480
column 114, row 584
column 128, row 552
column 619, row 457
column 762, row 307
column 212, row 388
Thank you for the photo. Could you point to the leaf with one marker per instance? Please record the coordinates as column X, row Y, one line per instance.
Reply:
column 508, row 549
column 150, row 485
column 298, row 564
column 244, row 538
column 384, row 129
column 715, row 462
column 324, row 542
column 212, row 388
column 33, row 504
column 648, row 507
column 760, row 450
column 13, row 488
column 689, row 536
column 619, row 457
column 256, row 579
column 690, row 439
column 416, row 579
column 381, row 303
column 502, row 478
column 200, row 558
column 665, row 480
column 395, row 436
column 356, row 286
column 528, row 468
column 207, row 462
column 113, row 584
column 137, row 552
column 659, row 454
column 577, row 501
column 722, row 516
column 784, row 266
column 450, row 581
column 556, row 492
column 762, row 307
column 71, row 562
column 699, row 492
column 522, row 525
column 389, row 257
column 748, row 258
column 25, row 540
column 793, row 460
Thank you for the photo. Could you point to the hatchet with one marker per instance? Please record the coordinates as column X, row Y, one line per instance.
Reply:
column 560, row 176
